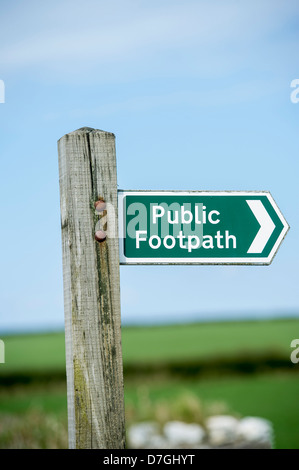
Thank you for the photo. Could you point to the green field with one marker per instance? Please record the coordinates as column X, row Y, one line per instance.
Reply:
column 46, row 351
column 274, row 397
column 34, row 415
column 208, row 339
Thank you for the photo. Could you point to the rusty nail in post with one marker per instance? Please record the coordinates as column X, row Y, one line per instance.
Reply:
column 100, row 236
column 100, row 205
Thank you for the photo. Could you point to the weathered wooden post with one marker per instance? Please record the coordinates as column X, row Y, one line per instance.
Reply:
column 87, row 173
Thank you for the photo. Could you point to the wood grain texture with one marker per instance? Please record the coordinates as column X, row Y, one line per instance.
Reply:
column 87, row 171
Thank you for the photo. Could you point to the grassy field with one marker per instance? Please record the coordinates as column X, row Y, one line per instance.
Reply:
column 24, row 411
column 274, row 397
column 34, row 416
column 208, row 339
column 46, row 351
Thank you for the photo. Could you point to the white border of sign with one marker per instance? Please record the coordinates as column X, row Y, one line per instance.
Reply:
column 200, row 261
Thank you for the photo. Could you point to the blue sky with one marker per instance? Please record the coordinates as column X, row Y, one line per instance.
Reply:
column 198, row 96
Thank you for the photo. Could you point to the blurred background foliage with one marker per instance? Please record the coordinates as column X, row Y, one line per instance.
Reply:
column 173, row 372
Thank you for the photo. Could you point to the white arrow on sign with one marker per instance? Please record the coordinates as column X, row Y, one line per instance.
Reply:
column 266, row 229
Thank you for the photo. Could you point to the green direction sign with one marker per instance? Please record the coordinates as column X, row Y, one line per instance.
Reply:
column 205, row 227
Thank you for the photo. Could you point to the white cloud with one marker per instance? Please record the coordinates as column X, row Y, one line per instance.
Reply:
column 135, row 37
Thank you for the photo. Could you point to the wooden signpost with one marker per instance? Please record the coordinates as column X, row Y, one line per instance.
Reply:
column 87, row 174
column 155, row 228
